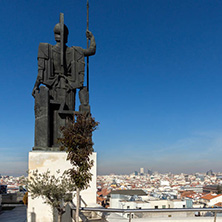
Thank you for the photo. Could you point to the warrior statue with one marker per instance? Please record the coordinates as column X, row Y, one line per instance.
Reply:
column 60, row 73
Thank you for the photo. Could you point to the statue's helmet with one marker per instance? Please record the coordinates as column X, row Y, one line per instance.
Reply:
column 57, row 32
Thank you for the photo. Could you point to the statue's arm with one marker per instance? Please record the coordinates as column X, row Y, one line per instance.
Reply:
column 92, row 48
column 43, row 55
column 39, row 76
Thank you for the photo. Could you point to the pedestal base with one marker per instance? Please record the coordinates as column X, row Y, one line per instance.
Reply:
column 42, row 161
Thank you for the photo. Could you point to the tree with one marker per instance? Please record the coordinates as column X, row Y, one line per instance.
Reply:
column 77, row 141
column 56, row 191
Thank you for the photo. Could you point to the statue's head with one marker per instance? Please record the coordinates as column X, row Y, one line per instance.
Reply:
column 57, row 32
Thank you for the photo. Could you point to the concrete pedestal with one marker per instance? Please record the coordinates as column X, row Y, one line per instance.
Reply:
column 38, row 211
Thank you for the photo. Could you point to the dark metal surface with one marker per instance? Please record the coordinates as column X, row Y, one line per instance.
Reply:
column 61, row 72
column 61, row 21
column 87, row 28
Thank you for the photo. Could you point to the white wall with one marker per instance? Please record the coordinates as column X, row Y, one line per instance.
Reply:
column 215, row 200
column 160, row 204
column 54, row 161
column 114, row 203
column 179, row 204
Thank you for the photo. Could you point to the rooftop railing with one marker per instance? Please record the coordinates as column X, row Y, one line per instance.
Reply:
column 131, row 211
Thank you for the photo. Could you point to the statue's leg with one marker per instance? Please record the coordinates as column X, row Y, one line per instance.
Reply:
column 42, row 126
column 57, row 120
column 84, row 100
column 63, row 109
column 70, row 99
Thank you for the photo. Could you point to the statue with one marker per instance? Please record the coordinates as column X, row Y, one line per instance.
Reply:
column 60, row 73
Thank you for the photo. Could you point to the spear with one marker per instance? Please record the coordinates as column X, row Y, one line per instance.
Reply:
column 61, row 21
column 87, row 28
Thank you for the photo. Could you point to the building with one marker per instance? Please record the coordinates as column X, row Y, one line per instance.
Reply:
column 141, row 171
column 211, row 200
column 138, row 199
column 211, row 189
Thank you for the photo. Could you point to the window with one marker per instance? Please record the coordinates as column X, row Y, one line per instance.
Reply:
column 128, row 207
column 163, row 206
column 156, row 207
column 184, row 206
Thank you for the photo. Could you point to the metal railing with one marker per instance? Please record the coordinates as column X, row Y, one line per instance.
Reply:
column 131, row 211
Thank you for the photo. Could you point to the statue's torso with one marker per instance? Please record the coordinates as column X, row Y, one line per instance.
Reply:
column 72, row 71
column 56, row 57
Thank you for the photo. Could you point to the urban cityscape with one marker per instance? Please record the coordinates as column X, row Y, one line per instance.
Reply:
column 111, row 111
column 142, row 189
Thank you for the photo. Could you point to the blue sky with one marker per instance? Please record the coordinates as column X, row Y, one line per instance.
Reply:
column 155, row 81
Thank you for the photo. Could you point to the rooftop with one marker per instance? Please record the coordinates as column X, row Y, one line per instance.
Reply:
column 18, row 214
column 129, row 192
column 210, row 196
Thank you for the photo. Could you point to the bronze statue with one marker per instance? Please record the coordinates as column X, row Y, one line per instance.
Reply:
column 60, row 73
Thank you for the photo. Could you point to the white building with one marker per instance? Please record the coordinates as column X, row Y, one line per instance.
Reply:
column 137, row 199
column 141, row 170
column 211, row 199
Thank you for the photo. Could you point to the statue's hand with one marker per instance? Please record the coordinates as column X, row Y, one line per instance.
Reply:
column 33, row 91
column 88, row 34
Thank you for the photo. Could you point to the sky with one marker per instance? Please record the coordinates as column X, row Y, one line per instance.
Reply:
column 155, row 81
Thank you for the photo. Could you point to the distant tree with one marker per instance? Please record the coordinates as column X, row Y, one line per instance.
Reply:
column 55, row 190
column 77, row 141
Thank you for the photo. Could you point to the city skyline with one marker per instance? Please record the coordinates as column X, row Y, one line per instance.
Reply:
column 155, row 81
column 136, row 173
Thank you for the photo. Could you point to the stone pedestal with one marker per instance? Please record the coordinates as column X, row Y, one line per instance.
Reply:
column 38, row 211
